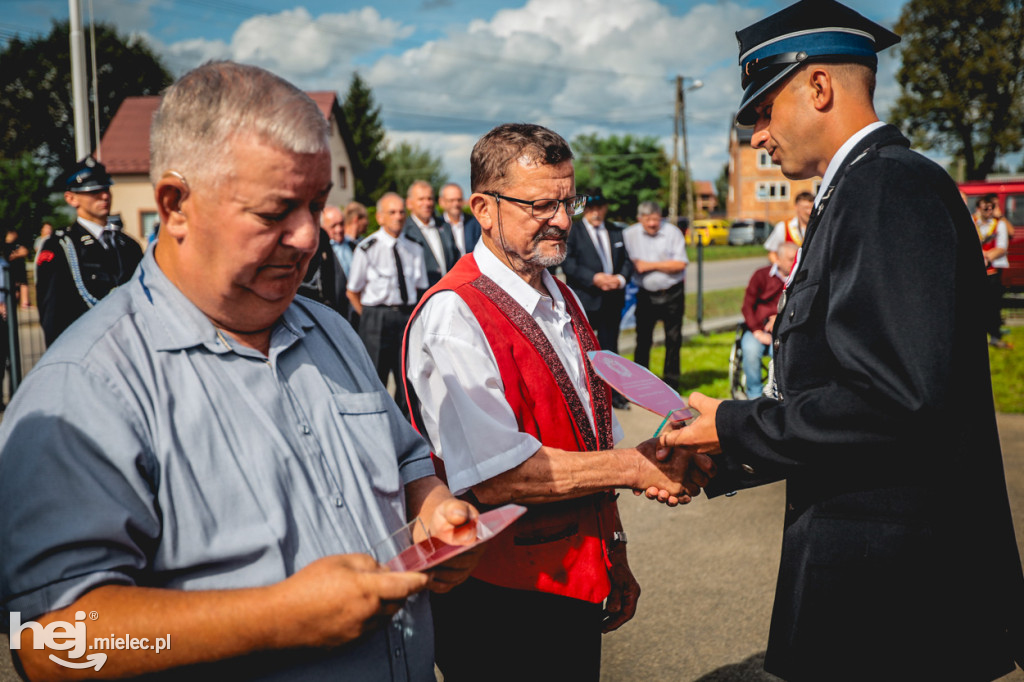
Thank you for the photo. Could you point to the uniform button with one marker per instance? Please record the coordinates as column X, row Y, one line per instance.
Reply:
column 338, row 502
column 305, row 430
column 791, row 314
column 746, row 467
column 398, row 653
column 776, row 343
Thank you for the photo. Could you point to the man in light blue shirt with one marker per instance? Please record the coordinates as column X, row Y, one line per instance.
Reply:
column 212, row 461
column 658, row 252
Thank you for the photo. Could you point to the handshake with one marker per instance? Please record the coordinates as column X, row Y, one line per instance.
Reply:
column 675, row 465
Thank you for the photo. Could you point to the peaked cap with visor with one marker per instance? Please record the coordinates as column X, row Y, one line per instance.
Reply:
column 806, row 32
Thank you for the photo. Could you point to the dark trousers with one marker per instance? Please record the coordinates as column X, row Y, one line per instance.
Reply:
column 485, row 632
column 995, row 302
column 667, row 306
column 381, row 328
column 605, row 322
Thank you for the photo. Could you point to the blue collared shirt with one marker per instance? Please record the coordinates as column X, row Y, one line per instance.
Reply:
column 343, row 251
column 145, row 449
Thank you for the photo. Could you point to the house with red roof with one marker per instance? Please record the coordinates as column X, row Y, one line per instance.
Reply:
column 124, row 150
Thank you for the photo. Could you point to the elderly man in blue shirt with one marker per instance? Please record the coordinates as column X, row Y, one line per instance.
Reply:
column 209, row 459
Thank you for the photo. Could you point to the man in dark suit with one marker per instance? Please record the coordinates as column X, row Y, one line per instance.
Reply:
column 597, row 268
column 430, row 231
column 465, row 228
column 882, row 417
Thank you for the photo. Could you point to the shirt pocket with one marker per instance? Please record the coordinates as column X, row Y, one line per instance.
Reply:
column 797, row 311
column 364, row 422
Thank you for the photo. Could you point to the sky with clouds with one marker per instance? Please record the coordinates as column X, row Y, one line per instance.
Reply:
column 446, row 71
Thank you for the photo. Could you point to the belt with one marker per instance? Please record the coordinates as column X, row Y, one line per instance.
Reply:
column 407, row 309
column 675, row 286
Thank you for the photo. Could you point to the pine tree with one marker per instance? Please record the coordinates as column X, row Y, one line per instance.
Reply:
column 363, row 118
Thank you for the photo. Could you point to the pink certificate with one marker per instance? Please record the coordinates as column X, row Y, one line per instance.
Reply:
column 428, row 553
column 639, row 385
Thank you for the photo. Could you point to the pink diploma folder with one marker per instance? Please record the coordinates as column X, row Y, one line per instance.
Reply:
column 428, row 553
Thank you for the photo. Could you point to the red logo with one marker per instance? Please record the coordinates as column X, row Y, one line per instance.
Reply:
column 45, row 256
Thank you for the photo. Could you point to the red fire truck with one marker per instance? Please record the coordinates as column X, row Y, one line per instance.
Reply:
column 1010, row 199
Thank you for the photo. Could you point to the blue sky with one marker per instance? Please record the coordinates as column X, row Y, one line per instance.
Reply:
column 446, row 71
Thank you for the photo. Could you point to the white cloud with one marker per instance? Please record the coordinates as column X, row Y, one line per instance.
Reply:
column 313, row 52
column 600, row 66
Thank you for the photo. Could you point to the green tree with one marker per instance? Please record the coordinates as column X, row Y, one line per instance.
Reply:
column 26, row 198
column 36, row 110
column 962, row 78
column 628, row 169
column 406, row 162
column 366, row 130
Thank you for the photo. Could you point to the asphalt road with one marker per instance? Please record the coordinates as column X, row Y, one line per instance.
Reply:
column 724, row 274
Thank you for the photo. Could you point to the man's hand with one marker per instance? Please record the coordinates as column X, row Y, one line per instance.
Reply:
column 622, row 600
column 764, row 337
column 606, row 282
column 340, row 598
column 454, row 522
column 693, row 443
column 673, row 480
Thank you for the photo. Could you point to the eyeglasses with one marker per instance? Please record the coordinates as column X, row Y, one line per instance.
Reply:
column 544, row 209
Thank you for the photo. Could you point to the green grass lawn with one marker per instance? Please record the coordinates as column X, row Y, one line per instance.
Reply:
column 705, row 368
column 718, row 303
column 726, row 252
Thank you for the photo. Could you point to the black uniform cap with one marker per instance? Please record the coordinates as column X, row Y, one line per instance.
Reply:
column 88, row 175
column 806, row 32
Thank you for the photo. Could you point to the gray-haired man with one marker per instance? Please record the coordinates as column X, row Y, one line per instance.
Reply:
column 237, row 458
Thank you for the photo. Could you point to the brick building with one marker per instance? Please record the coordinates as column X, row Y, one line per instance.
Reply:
column 757, row 188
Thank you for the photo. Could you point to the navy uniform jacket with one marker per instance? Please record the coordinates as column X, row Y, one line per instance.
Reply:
column 413, row 232
column 898, row 559
column 582, row 262
column 59, row 299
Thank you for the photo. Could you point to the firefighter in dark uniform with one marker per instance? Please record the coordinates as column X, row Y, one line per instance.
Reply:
column 79, row 265
column 899, row 559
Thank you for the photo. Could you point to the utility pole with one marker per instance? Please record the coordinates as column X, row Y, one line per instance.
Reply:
column 79, row 93
column 673, row 201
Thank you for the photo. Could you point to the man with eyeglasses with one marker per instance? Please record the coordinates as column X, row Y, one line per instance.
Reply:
column 659, row 258
column 79, row 265
column 499, row 383
column 995, row 240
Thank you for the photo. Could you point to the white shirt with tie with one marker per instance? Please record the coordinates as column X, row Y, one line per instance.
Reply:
column 602, row 242
column 433, row 236
column 373, row 274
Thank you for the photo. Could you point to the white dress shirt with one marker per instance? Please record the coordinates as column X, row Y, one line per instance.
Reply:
column 374, row 276
column 451, row 366
column 667, row 244
column 458, row 233
column 433, row 236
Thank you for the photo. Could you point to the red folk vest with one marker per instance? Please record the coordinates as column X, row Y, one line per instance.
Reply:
column 562, row 547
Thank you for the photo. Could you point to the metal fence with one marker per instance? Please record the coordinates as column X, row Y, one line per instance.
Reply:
column 22, row 344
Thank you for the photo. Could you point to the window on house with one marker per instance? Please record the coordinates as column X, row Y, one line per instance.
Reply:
column 773, row 191
column 764, row 160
